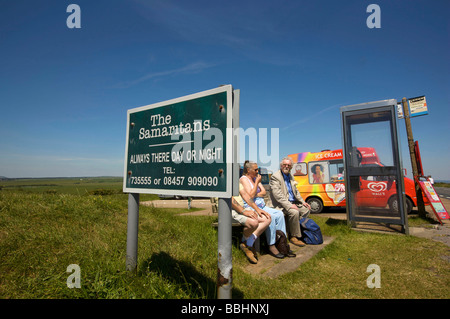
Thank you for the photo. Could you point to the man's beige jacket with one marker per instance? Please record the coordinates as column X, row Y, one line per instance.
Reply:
column 279, row 192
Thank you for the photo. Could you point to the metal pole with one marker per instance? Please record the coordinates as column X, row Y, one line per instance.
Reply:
column 420, row 203
column 132, row 231
column 225, row 265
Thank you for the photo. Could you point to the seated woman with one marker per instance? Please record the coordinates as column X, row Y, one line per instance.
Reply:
column 253, row 193
column 255, row 223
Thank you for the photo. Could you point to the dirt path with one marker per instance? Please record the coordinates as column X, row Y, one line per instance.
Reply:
column 203, row 204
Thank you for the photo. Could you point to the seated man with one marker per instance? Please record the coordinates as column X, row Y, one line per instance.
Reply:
column 255, row 223
column 286, row 197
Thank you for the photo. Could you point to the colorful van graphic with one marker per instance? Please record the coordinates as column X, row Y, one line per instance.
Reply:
column 321, row 181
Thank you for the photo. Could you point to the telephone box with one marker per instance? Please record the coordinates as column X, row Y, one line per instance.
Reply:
column 373, row 126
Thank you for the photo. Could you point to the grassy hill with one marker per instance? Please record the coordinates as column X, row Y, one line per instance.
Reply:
column 43, row 231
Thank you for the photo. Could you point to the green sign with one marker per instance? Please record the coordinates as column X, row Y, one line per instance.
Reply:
column 182, row 146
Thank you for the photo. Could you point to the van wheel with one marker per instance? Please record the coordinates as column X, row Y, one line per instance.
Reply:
column 316, row 205
column 393, row 204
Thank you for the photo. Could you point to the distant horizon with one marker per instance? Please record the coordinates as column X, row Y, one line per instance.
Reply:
column 56, row 177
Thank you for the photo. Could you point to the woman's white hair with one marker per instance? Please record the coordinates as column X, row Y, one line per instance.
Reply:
column 247, row 165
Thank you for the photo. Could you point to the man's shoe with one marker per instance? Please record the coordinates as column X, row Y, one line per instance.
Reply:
column 248, row 253
column 253, row 249
column 297, row 242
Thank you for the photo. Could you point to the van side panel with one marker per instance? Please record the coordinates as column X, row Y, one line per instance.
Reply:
column 332, row 190
column 331, row 193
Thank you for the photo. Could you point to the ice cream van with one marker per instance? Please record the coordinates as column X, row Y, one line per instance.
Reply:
column 320, row 181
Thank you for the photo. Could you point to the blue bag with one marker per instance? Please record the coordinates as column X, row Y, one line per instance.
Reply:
column 311, row 233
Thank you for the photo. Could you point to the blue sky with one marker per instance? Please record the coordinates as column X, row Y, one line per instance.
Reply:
column 64, row 92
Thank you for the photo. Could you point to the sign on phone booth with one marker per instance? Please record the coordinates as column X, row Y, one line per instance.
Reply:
column 400, row 114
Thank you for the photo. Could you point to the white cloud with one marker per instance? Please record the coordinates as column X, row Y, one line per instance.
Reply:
column 190, row 68
column 309, row 118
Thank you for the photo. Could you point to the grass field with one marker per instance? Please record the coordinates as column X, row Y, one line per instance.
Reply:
column 69, row 185
column 47, row 225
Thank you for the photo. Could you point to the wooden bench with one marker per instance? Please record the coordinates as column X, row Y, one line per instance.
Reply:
column 235, row 224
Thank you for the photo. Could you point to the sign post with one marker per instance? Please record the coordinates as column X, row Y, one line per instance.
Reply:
column 132, row 231
column 185, row 147
column 420, row 203
column 224, row 258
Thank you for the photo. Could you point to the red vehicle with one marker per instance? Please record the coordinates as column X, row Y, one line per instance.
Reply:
column 320, row 181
